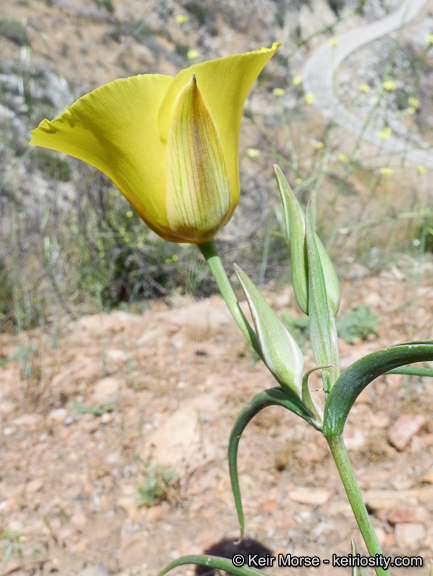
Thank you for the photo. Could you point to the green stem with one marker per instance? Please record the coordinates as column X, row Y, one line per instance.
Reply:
column 341, row 458
column 210, row 253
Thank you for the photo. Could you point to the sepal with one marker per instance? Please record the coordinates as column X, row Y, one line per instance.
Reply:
column 280, row 351
column 295, row 225
column 320, row 318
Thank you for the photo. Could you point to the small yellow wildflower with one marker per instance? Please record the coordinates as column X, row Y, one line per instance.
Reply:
column 334, row 41
column 413, row 102
column 319, row 145
column 130, row 214
column 181, row 19
column 297, row 80
column 253, row 153
column 429, row 39
column 386, row 171
column 278, row 92
column 175, row 257
column 385, row 133
column 309, row 98
column 298, row 180
column 421, row 169
column 389, row 85
column 192, row 54
column 410, row 111
column 343, row 158
column 364, row 88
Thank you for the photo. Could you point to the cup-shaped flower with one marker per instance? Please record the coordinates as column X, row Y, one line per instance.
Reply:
column 169, row 144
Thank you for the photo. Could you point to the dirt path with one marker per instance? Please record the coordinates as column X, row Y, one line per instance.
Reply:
column 320, row 69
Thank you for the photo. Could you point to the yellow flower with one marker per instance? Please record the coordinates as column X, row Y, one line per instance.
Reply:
column 309, row 98
column 253, row 153
column 297, row 80
column 278, row 92
column 429, row 39
column 169, row 144
column 364, row 88
column 319, row 145
column 386, row 171
column 334, row 41
column 389, row 85
column 343, row 158
column 385, row 133
column 413, row 102
column 421, row 169
column 181, row 18
column 192, row 54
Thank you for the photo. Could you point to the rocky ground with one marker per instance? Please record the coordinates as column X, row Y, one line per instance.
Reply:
column 85, row 404
column 174, row 378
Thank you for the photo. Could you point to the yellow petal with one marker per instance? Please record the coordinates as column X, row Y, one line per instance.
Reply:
column 224, row 84
column 114, row 128
column 198, row 197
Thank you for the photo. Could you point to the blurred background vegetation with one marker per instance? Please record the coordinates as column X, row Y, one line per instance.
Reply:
column 69, row 242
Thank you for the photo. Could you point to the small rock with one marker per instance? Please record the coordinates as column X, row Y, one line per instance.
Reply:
column 27, row 421
column 270, row 506
column 388, row 499
column 106, row 418
column 105, row 390
column 312, row 496
column 428, row 477
column 7, row 407
column 188, row 447
column 57, row 416
column 404, row 514
column 156, row 512
column 404, row 429
column 34, row 486
column 79, row 519
column 409, row 535
column 129, row 504
column 379, row 420
column 115, row 360
column 354, row 440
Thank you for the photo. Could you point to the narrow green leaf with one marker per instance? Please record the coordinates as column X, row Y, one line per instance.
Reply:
column 213, row 562
column 295, row 225
column 320, row 319
column 358, row 571
column 361, row 373
column 280, row 351
column 412, row 371
column 273, row 397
